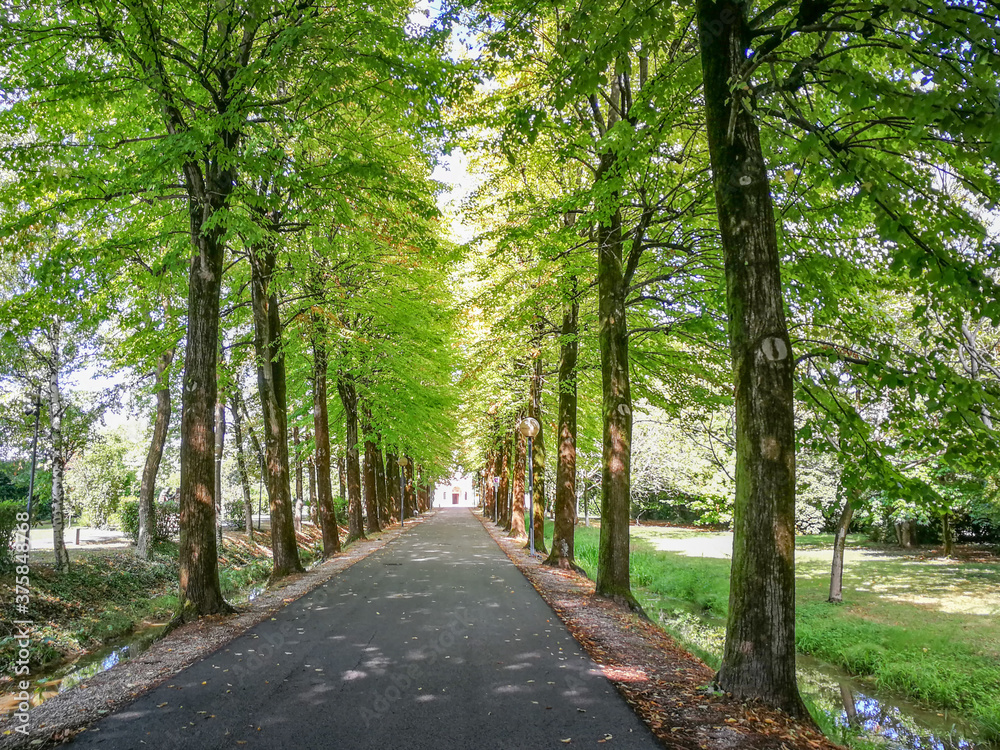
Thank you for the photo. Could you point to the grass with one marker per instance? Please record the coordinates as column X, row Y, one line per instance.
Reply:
column 923, row 628
column 107, row 593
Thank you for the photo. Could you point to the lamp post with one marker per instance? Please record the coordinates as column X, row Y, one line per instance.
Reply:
column 403, row 463
column 529, row 427
column 34, row 410
column 496, row 498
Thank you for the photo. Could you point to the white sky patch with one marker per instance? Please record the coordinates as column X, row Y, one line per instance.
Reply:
column 453, row 172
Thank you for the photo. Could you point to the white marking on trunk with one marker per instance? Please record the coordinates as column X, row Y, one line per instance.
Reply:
column 774, row 348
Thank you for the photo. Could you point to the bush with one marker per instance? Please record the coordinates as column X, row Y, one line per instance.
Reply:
column 128, row 514
column 237, row 513
column 8, row 520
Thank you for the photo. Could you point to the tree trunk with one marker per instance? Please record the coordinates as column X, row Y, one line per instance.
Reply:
column 298, row 479
column 200, row 592
column 313, row 502
column 323, row 488
column 759, row 657
column 220, row 445
column 342, row 476
column 349, row 398
column 410, row 491
column 58, row 460
column 564, row 528
column 271, row 386
column 489, row 495
column 503, row 491
column 839, row 542
column 538, row 452
column 947, row 535
column 147, row 489
column 255, row 443
column 370, row 478
column 392, row 486
column 381, row 490
column 613, row 553
column 241, row 462
column 517, row 527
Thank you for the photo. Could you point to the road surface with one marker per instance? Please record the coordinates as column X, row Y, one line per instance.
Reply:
column 435, row 641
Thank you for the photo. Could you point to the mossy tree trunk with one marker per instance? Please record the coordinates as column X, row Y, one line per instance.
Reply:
column 563, row 535
column 517, row 528
column 537, row 449
column 759, row 657
column 355, row 515
column 271, row 386
column 322, row 496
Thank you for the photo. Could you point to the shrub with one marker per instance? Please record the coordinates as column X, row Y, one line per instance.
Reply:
column 237, row 513
column 8, row 520
column 128, row 514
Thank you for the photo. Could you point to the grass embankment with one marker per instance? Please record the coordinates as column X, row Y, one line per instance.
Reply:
column 923, row 628
column 104, row 597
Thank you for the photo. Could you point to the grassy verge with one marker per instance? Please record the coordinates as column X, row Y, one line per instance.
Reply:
column 921, row 628
column 106, row 596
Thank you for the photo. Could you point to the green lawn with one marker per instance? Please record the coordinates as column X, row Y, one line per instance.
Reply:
column 922, row 627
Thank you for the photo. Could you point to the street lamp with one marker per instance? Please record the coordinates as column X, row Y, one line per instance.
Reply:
column 403, row 463
column 496, row 498
column 529, row 427
column 33, row 410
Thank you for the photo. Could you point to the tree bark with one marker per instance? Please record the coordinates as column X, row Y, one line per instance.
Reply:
column 371, row 480
column 564, row 528
column 538, row 451
column 381, row 488
column 342, row 476
column 200, row 593
column 517, row 527
column 503, row 491
column 241, row 463
column 271, row 385
column 220, row 445
column 839, row 543
column 613, row 553
column 58, row 459
column 489, row 493
column 323, row 493
column 298, row 479
column 759, row 656
column 313, row 502
column 392, row 486
column 410, row 491
column 147, row 488
column 349, row 398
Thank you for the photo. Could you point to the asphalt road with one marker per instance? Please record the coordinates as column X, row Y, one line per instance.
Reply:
column 436, row 641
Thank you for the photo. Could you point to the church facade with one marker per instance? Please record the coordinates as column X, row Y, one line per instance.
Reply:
column 457, row 491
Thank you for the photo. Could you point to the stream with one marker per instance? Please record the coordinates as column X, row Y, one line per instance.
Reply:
column 892, row 721
column 900, row 723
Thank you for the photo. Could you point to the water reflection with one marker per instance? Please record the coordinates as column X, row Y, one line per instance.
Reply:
column 62, row 678
column 899, row 724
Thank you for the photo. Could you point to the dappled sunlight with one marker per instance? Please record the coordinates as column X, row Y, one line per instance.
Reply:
column 625, row 674
column 686, row 542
